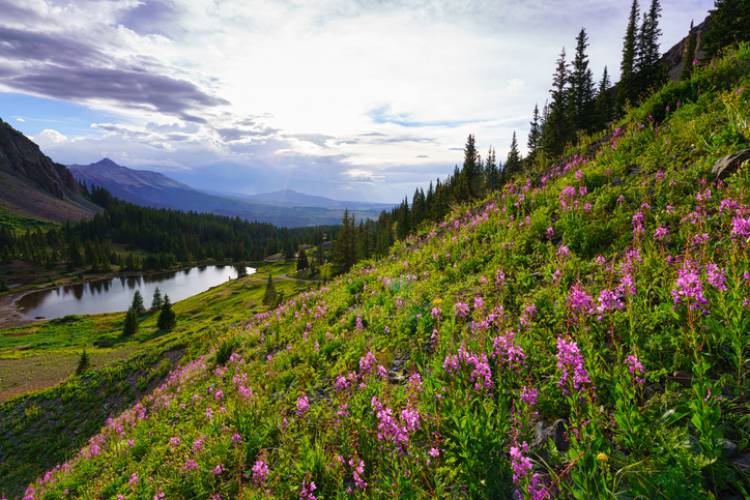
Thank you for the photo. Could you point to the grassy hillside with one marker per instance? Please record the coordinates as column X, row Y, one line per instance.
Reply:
column 583, row 333
column 43, row 428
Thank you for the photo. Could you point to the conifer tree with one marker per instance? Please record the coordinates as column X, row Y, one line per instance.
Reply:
column 649, row 72
column 302, row 262
column 491, row 171
column 157, row 301
column 513, row 163
column 470, row 187
column 582, row 86
column 137, row 305
column 535, row 133
column 83, row 362
column 627, row 89
column 557, row 124
column 604, row 108
column 167, row 318
column 270, row 296
column 344, row 247
column 130, row 327
column 729, row 25
column 689, row 55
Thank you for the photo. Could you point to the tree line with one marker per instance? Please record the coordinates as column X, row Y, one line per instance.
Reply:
column 140, row 238
column 576, row 105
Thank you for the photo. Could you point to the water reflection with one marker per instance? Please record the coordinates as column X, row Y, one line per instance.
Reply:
column 116, row 294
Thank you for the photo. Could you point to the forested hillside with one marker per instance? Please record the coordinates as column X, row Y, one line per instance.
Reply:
column 581, row 332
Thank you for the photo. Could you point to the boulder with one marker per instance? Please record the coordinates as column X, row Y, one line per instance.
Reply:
column 729, row 164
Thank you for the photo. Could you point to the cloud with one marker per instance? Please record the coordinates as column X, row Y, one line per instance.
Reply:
column 50, row 136
column 20, row 120
column 383, row 114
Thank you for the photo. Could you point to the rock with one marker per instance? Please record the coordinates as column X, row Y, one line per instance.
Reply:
column 729, row 449
column 729, row 164
column 743, row 461
column 556, row 432
column 633, row 170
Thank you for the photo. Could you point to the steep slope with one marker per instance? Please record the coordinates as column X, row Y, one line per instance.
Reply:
column 152, row 189
column 33, row 185
column 583, row 333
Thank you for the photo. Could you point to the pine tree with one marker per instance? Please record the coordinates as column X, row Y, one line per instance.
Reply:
column 167, row 318
column 535, row 133
column 270, row 296
column 557, row 124
column 130, row 326
column 649, row 72
column 302, row 262
column 604, row 111
column 729, row 24
column 582, row 86
column 626, row 89
column 83, row 362
column 344, row 247
column 513, row 163
column 470, row 187
column 491, row 171
column 157, row 301
column 137, row 305
column 689, row 56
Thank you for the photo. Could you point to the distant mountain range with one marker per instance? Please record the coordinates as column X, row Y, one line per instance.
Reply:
column 282, row 208
column 33, row 185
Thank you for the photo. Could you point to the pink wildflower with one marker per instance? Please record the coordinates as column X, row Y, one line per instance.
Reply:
column 260, row 472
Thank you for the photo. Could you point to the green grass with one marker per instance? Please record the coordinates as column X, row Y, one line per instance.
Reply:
column 19, row 222
column 42, row 428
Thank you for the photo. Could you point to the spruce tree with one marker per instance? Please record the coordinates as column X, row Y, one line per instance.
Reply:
column 582, row 86
column 137, row 305
column 269, row 296
column 604, row 111
column 157, row 301
column 513, row 163
column 535, row 133
column 167, row 318
column 302, row 262
column 470, row 187
column 130, row 326
column 557, row 124
column 729, row 24
column 627, row 89
column 689, row 55
column 649, row 72
column 344, row 247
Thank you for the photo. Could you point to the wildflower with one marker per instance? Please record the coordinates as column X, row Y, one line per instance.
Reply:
column 609, row 300
column 209, row 413
column 218, row 395
column 716, row 276
column 520, row 464
column 478, row 303
column 159, row 496
column 358, row 470
column 303, row 405
column 461, row 309
column 306, row 492
column 190, row 465
column 529, row 395
column 434, row 452
column 341, row 383
column 537, row 488
column 436, row 312
column 197, row 444
column 236, row 438
column 635, row 367
column 600, row 260
column 359, row 325
column 174, row 441
column 688, row 286
column 499, row 278
column 661, row 233
column 563, row 251
column 602, row 457
column 260, row 472
column 245, row 392
column 567, row 197
column 382, row 372
column 218, row 470
column 507, row 351
column 638, row 224
column 367, row 362
column 550, row 233
column 580, row 301
column 570, row 359
column 133, row 482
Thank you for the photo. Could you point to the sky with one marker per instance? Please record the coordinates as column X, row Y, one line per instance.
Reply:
column 351, row 99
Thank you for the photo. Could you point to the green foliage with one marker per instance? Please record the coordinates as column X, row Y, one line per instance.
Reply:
column 130, row 325
column 729, row 25
column 167, row 317
column 83, row 362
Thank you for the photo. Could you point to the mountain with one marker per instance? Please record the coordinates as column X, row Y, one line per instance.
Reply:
column 291, row 198
column 33, row 185
column 152, row 189
column 582, row 332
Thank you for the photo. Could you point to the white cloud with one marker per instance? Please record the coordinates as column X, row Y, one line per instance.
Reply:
column 50, row 136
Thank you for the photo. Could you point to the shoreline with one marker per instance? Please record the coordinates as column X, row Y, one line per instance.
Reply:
column 11, row 315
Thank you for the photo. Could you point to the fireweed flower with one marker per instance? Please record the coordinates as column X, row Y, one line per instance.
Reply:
column 563, row 251
column 306, row 491
column 570, row 364
column 689, row 287
column 218, row 470
column 507, row 352
column 358, row 470
column 174, row 441
column 716, row 276
column 550, row 233
column 499, row 278
column 260, row 472
column 461, row 309
column 190, row 465
column 579, row 301
column 529, row 395
column 435, row 313
column 609, row 300
column 660, row 233
column 520, row 463
column 303, row 405
column 367, row 362
column 635, row 367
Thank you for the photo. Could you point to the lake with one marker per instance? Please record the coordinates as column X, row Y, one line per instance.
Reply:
column 116, row 294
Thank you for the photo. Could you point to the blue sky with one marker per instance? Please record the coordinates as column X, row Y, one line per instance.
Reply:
column 362, row 99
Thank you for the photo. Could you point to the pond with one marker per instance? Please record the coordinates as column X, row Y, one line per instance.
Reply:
column 116, row 294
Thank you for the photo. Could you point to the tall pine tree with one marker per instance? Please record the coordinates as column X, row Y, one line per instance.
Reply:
column 534, row 142
column 582, row 86
column 557, row 124
column 649, row 71
column 729, row 24
column 627, row 88
column 513, row 163
column 604, row 107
